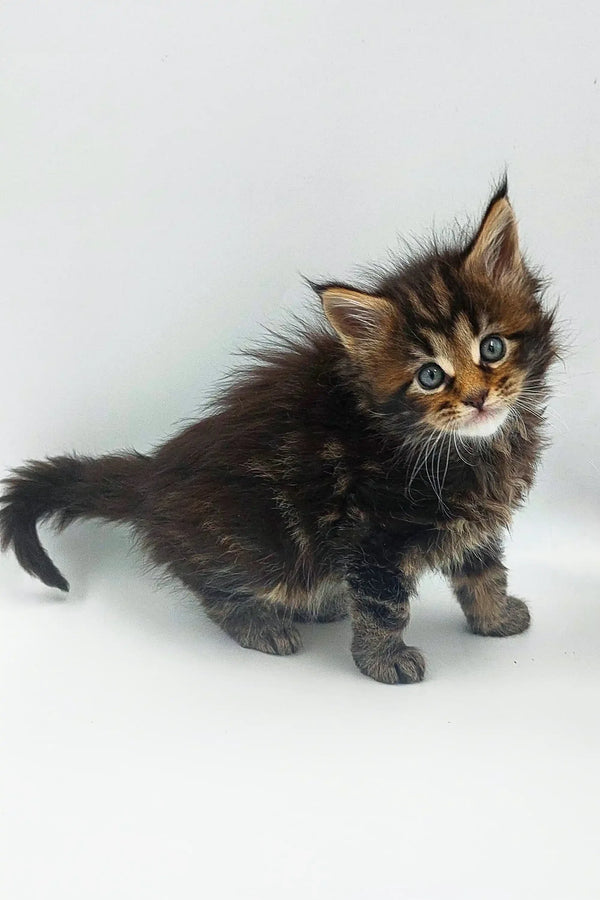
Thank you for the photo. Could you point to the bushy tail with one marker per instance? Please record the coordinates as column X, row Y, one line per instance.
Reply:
column 66, row 488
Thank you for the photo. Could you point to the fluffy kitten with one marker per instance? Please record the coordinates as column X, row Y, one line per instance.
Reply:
column 344, row 462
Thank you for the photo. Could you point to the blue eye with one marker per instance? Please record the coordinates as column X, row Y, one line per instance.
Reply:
column 430, row 376
column 492, row 348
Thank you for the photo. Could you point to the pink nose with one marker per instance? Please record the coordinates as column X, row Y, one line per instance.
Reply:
column 477, row 399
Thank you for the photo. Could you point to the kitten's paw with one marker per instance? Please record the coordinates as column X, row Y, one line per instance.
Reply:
column 405, row 665
column 278, row 640
column 512, row 618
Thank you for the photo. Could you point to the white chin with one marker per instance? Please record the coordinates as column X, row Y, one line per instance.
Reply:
column 484, row 427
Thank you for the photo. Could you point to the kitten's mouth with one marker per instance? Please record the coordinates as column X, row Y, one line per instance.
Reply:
column 484, row 422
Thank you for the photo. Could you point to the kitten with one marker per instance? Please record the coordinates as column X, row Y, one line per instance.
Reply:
column 344, row 462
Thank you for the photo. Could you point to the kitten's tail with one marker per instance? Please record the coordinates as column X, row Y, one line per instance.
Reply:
column 67, row 488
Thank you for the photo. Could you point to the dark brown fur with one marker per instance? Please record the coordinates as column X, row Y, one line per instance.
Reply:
column 326, row 480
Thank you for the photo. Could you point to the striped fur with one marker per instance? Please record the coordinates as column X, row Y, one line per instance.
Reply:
column 326, row 479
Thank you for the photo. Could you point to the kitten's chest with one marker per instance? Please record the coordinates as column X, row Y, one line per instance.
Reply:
column 481, row 504
column 488, row 491
column 480, row 489
column 457, row 510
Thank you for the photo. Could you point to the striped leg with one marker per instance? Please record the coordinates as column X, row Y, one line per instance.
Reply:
column 380, row 612
column 479, row 583
column 250, row 621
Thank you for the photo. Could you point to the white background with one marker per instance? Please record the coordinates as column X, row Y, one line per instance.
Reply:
column 167, row 171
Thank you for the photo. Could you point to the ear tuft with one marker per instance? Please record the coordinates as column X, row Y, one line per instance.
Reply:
column 360, row 320
column 495, row 252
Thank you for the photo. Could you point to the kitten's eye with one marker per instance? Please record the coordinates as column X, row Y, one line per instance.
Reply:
column 492, row 348
column 430, row 376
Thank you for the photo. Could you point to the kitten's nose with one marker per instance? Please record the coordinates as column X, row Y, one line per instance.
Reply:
column 477, row 399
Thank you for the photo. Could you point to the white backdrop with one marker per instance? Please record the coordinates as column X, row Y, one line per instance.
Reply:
column 167, row 171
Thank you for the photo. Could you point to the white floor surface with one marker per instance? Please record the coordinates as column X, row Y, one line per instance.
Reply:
column 144, row 754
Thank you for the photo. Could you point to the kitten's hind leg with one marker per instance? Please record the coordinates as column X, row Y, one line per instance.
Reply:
column 251, row 622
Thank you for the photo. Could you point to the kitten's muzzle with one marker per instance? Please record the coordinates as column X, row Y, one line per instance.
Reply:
column 484, row 421
column 477, row 399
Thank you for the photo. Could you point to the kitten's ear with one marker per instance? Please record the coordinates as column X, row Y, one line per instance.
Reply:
column 494, row 252
column 361, row 320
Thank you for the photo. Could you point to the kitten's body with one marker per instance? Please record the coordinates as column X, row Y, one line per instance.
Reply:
column 320, row 485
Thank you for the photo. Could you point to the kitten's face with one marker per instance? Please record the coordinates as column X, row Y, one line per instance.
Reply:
column 457, row 342
column 469, row 382
column 469, row 370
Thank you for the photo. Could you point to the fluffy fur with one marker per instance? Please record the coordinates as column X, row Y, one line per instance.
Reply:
column 327, row 477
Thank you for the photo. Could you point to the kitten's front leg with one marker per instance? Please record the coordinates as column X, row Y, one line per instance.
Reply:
column 479, row 583
column 380, row 613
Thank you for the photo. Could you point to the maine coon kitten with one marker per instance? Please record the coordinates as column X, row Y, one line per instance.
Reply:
column 343, row 463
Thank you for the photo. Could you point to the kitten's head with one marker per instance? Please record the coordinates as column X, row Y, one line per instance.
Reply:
column 456, row 341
